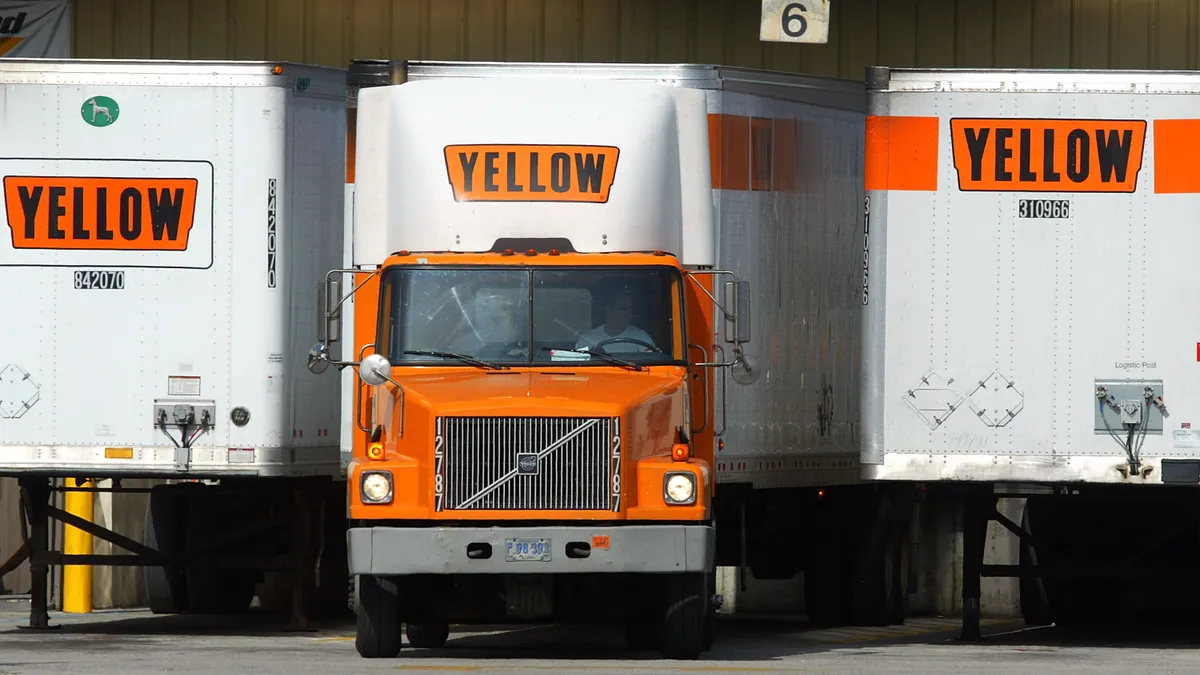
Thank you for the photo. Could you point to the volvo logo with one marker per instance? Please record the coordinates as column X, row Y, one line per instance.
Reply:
column 527, row 464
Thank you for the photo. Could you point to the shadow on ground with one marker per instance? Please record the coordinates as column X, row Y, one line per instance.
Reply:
column 739, row 640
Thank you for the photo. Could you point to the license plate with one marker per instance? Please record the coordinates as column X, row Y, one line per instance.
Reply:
column 526, row 550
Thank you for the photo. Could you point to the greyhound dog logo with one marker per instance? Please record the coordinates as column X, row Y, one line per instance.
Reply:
column 100, row 111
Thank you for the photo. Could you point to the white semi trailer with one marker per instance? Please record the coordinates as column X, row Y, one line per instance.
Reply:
column 1027, row 270
column 165, row 224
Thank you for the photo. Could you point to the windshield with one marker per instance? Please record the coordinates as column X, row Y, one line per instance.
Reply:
column 520, row 316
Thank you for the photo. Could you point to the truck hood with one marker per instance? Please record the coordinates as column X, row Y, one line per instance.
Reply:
column 533, row 392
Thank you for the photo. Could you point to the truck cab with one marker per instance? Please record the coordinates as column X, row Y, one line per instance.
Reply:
column 534, row 331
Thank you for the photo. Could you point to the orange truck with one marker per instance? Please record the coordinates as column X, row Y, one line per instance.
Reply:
column 539, row 332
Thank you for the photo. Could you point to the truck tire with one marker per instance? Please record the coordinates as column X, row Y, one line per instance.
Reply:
column 377, row 635
column 428, row 634
column 166, row 587
column 685, row 609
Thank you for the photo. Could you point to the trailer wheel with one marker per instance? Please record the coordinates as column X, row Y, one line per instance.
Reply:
column 428, row 634
column 166, row 587
column 378, row 630
column 685, row 609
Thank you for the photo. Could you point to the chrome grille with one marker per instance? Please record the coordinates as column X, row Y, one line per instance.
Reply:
column 519, row 463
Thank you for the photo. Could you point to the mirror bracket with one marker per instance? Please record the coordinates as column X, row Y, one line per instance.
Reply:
column 375, row 370
column 735, row 309
column 329, row 316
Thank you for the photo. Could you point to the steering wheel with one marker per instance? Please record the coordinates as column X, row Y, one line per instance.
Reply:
column 601, row 344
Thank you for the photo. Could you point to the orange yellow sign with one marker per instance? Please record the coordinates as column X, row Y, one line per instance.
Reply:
column 1047, row 155
column 100, row 214
column 531, row 173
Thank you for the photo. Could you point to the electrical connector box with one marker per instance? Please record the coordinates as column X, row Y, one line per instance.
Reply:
column 1131, row 412
column 176, row 412
column 1119, row 402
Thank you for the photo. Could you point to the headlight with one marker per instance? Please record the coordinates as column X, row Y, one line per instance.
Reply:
column 376, row 487
column 679, row 488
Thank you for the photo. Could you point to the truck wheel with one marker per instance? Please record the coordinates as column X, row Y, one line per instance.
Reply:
column 166, row 587
column 378, row 631
column 685, row 609
column 427, row 635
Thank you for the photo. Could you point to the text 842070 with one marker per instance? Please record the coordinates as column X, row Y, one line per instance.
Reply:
column 103, row 280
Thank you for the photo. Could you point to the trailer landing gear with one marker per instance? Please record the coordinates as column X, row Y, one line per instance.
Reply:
column 35, row 505
column 977, row 511
column 201, row 553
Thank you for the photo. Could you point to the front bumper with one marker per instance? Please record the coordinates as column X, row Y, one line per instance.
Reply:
column 443, row 550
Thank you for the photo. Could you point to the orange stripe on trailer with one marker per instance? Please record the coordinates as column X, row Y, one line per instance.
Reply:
column 784, row 144
column 1176, row 146
column 762, row 150
column 901, row 153
column 753, row 153
column 729, row 147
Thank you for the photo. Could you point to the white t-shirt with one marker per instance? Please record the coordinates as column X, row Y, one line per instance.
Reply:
column 595, row 336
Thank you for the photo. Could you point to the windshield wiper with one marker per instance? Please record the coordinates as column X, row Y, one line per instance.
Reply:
column 461, row 357
column 604, row 356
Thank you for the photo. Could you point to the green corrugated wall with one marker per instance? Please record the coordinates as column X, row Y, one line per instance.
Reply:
column 982, row 33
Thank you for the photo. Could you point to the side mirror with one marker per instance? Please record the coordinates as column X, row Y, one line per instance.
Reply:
column 375, row 369
column 329, row 322
column 737, row 312
column 745, row 370
column 318, row 358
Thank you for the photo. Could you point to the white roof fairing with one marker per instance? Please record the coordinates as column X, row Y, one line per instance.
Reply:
column 455, row 164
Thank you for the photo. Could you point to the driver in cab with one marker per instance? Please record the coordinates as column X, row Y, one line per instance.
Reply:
column 618, row 314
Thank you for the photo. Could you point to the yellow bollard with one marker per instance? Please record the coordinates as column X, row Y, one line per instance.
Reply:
column 77, row 579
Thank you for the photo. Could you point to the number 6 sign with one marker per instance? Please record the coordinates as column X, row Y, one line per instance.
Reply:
column 805, row 21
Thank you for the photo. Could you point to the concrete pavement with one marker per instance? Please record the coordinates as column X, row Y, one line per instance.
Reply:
column 131, row 642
